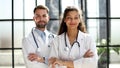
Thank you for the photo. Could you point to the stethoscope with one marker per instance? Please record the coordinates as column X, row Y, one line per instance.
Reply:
column 51, row 36
column 75, row 43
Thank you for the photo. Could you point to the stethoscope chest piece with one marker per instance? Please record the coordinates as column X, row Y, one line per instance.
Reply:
column 76, row 44
column 51, row 36
column 66, row 49
column 38, row 49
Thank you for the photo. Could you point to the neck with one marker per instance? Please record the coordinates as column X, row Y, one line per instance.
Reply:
column 72, row 33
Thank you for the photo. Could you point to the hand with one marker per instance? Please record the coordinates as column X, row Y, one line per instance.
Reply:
column 59, row 62
column 54, row 61
column 88, row 54
column 35, row 57
column 32, row 56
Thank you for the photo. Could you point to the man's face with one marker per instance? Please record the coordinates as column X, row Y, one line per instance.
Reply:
column 41, row 18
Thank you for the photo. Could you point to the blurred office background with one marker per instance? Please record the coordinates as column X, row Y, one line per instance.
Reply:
column 102, row 18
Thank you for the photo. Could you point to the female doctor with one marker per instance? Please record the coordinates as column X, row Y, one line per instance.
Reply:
column 73, row 47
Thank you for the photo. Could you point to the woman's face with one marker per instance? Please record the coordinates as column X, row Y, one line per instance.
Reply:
column 72, row 20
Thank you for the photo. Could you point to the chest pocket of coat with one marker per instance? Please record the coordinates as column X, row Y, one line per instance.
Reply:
column 74, row 53
column 62, row 53
column 71, row 54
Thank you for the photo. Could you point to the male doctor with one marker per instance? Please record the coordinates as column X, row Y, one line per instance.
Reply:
column 35, row 46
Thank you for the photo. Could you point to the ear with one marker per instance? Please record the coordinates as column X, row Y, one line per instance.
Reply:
column 34, row 18
column 65, row 20
column 49, row 17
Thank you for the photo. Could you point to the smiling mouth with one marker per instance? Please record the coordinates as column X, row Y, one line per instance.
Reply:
column 72, row 24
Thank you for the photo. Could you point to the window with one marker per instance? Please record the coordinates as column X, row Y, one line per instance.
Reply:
column 102, row 23
column 102, row 19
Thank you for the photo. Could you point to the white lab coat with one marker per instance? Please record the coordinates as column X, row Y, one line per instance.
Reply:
column 75, row 53
column 29, row 46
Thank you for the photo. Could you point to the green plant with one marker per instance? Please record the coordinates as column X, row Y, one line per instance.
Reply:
column 102, row 53
column 116, row 49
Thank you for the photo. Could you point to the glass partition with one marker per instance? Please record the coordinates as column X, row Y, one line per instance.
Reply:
column 97, row 29
column 115, row 39
column 18, row 9
column 18, row 34
column 115, row 12
column 5, row 34
column 6, row 58
column 28, row 8
column 19, row 61
column 6, row 9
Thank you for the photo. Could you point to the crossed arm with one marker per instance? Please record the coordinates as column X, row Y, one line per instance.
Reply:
column 35, row 57
column 53, row 61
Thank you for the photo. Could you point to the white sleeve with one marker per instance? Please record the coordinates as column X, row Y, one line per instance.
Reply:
column 26, row 49
column 88, row 62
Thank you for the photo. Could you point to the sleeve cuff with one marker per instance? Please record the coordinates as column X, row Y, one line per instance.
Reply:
column 46, row 60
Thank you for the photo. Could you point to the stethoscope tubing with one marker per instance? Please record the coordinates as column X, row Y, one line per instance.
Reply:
column 73, row 42
column 34, row 39
column 67, row 49
column 50, row 36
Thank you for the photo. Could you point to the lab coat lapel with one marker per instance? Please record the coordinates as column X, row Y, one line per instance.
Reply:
column 80, row 38
column 75, row 50
column 40, row 42
column 67, row 41
column 38, row 39
column 82, row 41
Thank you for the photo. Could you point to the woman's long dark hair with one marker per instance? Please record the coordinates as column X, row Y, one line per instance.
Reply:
column 63, row 27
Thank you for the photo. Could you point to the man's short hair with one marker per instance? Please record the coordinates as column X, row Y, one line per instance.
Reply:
column 41, row 7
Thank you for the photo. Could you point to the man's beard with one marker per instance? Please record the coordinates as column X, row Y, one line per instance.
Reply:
column 41, row 25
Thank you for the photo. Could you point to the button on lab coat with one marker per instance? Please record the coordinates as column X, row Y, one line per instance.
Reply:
column 29, row 46
column 75, row 53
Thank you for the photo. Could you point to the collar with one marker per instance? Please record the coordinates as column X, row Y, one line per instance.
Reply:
column 40, row 32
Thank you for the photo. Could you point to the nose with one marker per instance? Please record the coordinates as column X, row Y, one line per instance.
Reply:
column 72, row 20
column 41, row 18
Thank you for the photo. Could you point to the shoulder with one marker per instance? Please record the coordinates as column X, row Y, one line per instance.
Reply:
column 50, row 33
column 59, row 37
column 85, row 35
column 27, row 37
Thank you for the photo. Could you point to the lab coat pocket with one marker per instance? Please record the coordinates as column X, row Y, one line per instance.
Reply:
column 63, row 54
column 75, row 53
